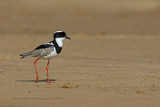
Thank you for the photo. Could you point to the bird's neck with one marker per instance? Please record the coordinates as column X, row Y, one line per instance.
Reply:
column 58, row 45
column 59, row 41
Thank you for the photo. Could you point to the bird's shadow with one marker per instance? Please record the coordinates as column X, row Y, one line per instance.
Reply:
column 45, row 80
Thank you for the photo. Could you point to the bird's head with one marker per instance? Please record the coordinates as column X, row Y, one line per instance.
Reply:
column 61, row 35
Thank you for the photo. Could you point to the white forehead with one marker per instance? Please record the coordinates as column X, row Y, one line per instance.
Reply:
column 58, row 31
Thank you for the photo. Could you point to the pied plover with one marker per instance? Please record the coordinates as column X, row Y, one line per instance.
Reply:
column 47, row 50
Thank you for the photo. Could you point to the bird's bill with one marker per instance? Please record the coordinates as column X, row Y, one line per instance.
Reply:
column 67, row 37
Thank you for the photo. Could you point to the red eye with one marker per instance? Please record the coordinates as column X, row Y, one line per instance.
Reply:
column 60, row 35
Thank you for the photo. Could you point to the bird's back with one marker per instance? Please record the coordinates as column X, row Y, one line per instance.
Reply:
column 40, row 51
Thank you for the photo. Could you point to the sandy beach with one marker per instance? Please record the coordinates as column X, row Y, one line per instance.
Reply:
column 112, row 59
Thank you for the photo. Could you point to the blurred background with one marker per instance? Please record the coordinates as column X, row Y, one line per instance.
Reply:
column 113, row 17
column 112, row 60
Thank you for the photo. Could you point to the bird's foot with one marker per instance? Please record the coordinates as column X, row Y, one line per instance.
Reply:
column 49, row 81
column 36, row 79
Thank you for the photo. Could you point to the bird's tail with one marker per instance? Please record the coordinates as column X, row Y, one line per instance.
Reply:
column 26, row 54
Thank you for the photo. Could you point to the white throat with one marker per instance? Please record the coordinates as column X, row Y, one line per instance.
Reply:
column 60, row 41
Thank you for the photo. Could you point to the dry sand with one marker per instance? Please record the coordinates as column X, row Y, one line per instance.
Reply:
column 91, row 71
column 113, row 59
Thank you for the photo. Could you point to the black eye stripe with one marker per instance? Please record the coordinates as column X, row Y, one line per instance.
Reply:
column 60, row 35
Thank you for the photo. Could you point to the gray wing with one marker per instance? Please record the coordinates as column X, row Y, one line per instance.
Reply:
column 40, row 51
column 43, row 52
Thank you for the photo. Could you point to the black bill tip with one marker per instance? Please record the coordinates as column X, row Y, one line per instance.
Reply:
column 67, row 37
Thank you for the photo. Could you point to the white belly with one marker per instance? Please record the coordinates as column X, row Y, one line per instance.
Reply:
column 51, row 55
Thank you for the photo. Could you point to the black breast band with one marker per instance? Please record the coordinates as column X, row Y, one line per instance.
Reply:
column 58, row 49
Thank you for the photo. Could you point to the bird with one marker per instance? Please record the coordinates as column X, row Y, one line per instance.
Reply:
column 47, row 51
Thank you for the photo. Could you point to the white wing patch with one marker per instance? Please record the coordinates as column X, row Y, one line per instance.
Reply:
column 49, row 43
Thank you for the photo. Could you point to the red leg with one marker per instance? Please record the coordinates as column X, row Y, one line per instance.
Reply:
column 36, row 69
column 48, row 74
